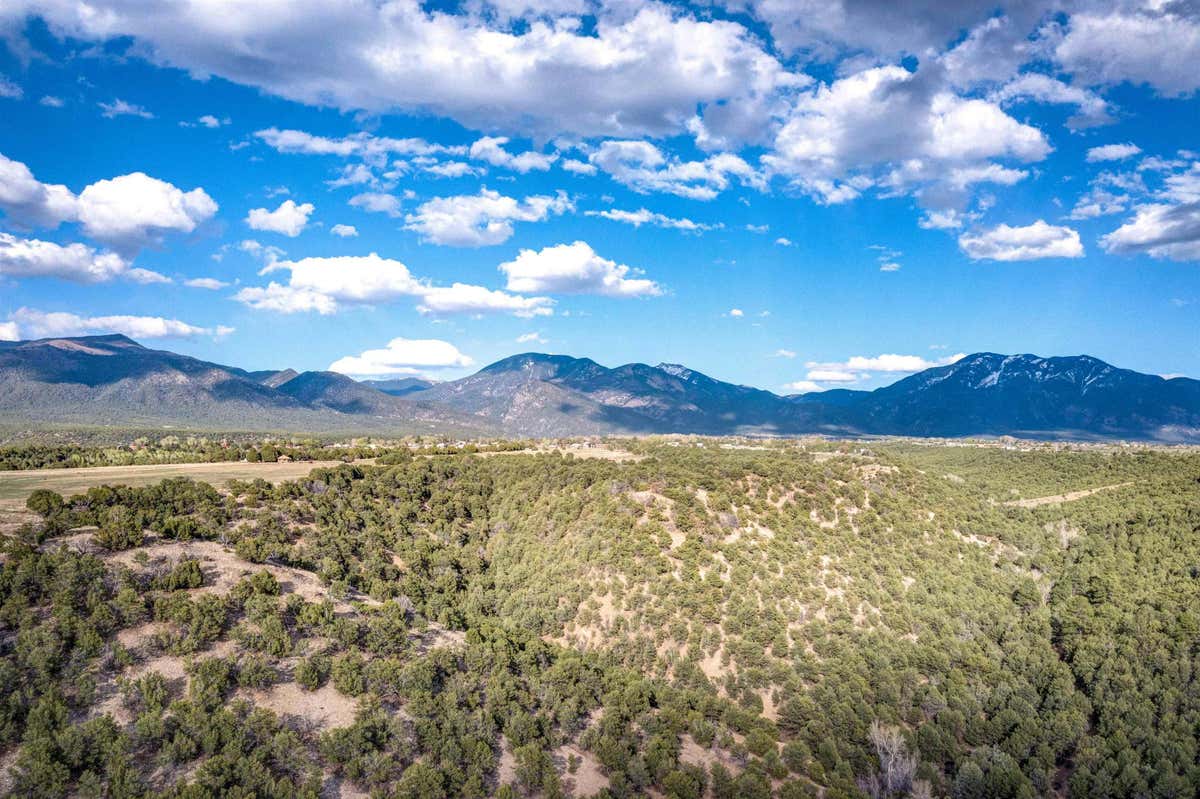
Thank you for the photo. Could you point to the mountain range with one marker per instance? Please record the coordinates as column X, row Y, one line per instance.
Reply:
column 114, row 381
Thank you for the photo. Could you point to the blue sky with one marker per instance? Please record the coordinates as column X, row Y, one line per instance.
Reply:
column 789, row 197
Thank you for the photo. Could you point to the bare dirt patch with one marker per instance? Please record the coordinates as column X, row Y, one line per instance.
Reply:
column 13, row 517
column 1064, row 531
column 588, row 779
column 223, row 569
column 139, row 638
column 581, row 452
column 324, row 708
column 7, row 761
column 694, row 754
column 506, row 771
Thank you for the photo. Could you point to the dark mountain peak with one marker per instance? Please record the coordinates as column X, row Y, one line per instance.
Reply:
column 400, row 386
column 318, row 380
column 540, row 365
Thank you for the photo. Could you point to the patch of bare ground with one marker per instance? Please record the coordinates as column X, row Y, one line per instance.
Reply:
column 870, row 470
column 140, row 638
column 7, row 761
column 437, row 637
column 12, row 518
column 770, row 709
column 223, row 569
column 1058, row 499
column 588, row 779
column 140, row 641
column 694, row 754
column 715, row 667
column 1065, row 532
column 506, row 770
column 581, row 452
column 78, row 539
column 323, row 709
column 335, row 787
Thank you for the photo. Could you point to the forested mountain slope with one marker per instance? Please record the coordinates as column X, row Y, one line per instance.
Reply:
column 717, row 618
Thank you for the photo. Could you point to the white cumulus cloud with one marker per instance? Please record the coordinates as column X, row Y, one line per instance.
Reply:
column 325, row 285
column 633, row 71
column 804, row 387
column 1008, row 243
column 373, row 149
column 574, row 269
column 135, row 210
column 289, row 218
column 1123, row 45
column 76, row 262
column 479, row 220
column 377, row 203
column 843, row 371
column 1113, row 152
column 28, row 202
column 1161, row 230
column 843, row 138
column 832, row 376
column 402, row 356
column 126, row 213
column 644, row 167
column 10, row 90
column 491, row 150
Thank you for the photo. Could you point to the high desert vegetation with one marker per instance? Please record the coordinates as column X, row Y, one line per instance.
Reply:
column 696, row 618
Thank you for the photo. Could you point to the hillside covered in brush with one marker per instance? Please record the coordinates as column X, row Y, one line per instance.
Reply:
column 698, row 618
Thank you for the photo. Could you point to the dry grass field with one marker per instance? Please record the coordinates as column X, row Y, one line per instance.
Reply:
column 16, row 486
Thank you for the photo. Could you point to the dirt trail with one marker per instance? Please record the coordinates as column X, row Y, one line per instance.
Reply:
column 1058, row 499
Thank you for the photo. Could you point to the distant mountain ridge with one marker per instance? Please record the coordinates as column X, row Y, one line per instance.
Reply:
column 990, row 393
column 112, row 380
column 558, row 395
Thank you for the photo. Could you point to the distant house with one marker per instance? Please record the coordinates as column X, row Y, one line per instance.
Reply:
column 284, row 459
